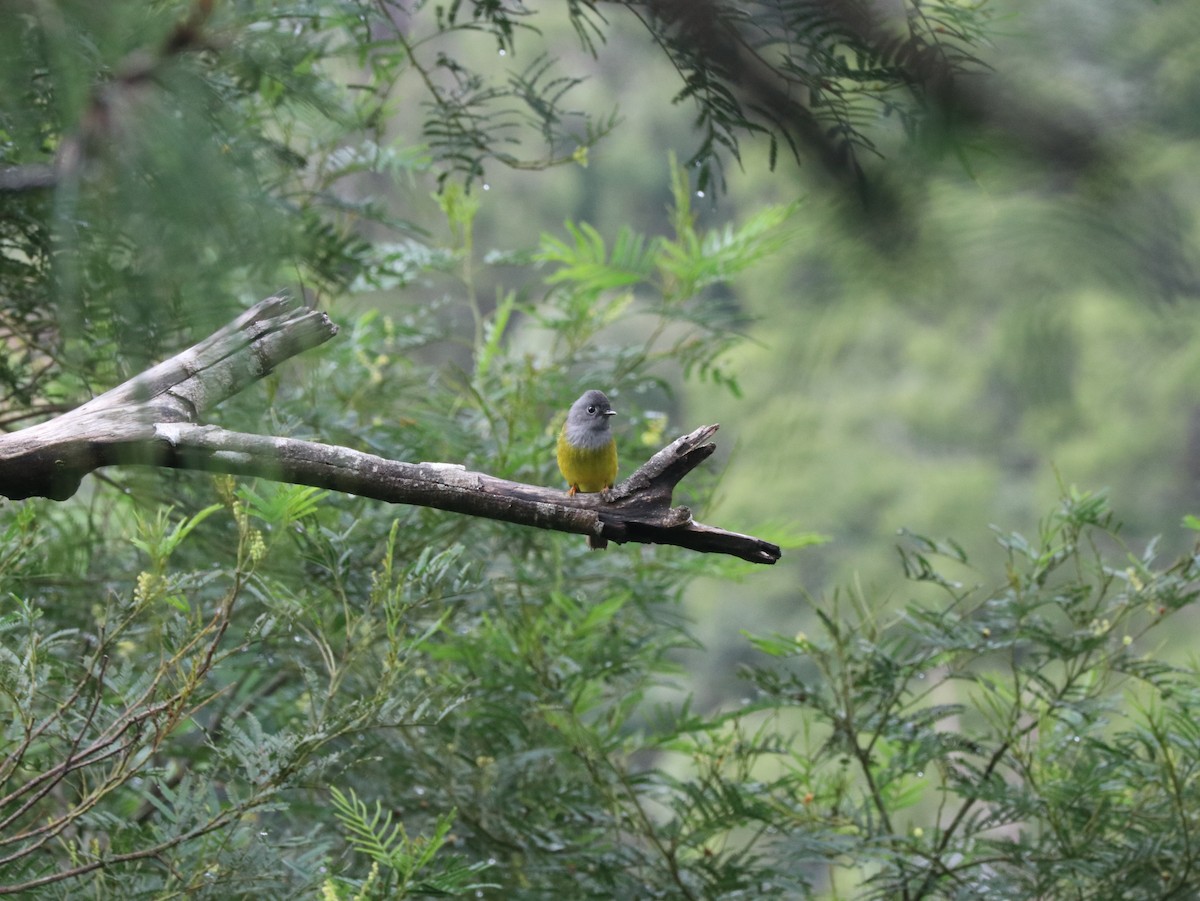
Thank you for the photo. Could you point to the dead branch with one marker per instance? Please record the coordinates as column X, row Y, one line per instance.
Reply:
column 154, row 420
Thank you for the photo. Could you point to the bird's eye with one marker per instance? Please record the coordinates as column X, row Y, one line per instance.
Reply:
column 591, row 410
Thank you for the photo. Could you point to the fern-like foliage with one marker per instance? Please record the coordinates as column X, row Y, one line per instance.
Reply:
column 1019, row 741
column 816, row 75
column 402, row 866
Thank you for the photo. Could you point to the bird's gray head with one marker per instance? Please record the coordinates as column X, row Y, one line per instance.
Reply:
column 587, row 421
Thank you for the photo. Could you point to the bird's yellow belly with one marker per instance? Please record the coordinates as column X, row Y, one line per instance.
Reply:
column 588, row 469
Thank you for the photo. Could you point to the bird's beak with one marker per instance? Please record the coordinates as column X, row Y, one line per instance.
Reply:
column 610, row 412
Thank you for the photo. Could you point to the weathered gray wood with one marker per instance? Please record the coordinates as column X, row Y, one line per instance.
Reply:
column 117, row 427
column 153, row 420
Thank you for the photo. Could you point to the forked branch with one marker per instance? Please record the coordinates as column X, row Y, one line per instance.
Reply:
column 154, row 420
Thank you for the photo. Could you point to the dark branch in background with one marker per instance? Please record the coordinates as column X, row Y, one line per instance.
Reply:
column 742, row 48
column 702, row 36
column 153, row 420
column 813, row 75
column 1061, row 138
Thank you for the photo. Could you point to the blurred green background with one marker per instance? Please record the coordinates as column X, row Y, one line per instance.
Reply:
column 1013, row 330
